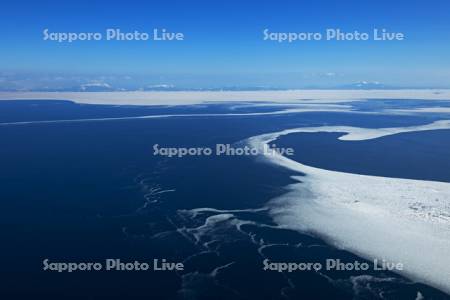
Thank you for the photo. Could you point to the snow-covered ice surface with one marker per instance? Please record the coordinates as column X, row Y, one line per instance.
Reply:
column 198, row 97
column 399, row 220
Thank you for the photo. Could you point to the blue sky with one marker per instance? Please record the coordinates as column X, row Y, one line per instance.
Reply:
column 224, row 43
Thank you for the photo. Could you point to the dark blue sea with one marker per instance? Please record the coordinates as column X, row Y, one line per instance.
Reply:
column 84, row 191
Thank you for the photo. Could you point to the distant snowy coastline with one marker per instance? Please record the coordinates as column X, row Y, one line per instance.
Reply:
column 199, row 97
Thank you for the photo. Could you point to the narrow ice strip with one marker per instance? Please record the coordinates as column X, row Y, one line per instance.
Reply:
column 399, row 220
column 359, row 134
column 278, row 112
column 437, row 110
column 197, row 211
